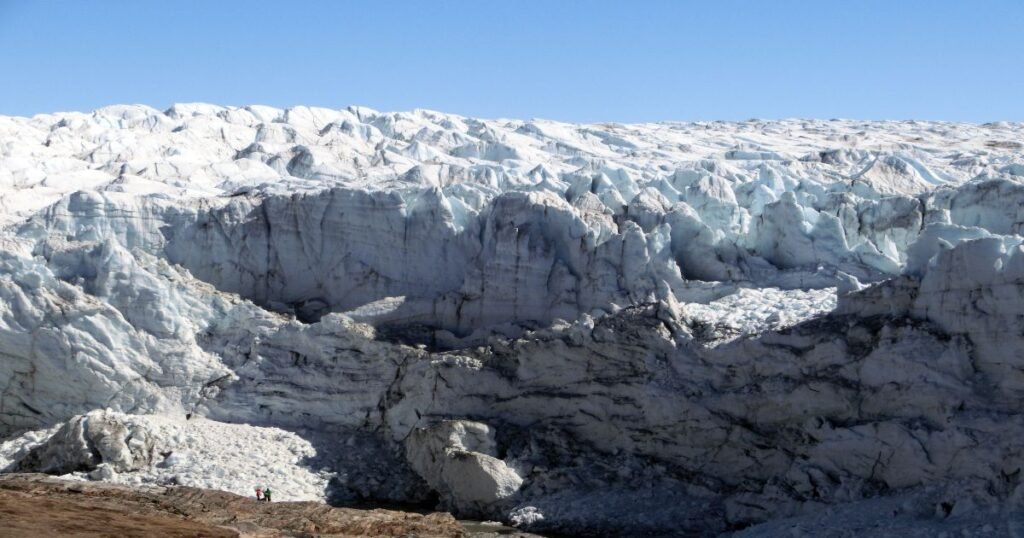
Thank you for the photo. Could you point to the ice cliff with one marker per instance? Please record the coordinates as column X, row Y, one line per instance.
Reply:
column 661, row 328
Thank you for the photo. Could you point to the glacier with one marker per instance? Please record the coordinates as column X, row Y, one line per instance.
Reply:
column 660, row 328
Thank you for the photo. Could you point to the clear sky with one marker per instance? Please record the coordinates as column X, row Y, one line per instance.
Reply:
column 560, row 59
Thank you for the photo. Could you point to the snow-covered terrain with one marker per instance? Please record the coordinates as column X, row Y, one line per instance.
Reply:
column 172, row 450
column 662, row 328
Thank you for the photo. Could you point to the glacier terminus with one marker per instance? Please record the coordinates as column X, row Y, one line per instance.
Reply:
column 658, row 329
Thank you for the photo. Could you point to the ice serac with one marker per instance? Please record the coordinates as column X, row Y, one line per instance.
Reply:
column 88, row 441
column 70, row 348
column 672, row 328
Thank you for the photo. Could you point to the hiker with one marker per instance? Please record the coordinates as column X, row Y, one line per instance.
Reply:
column 266, row 494
column 259, row 493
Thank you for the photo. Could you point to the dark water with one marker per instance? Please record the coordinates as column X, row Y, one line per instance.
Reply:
column 477, row 529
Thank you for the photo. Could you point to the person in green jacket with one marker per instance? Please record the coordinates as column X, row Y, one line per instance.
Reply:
column 266, row 494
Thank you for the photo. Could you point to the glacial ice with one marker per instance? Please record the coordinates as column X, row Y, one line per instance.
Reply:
column 606, row 328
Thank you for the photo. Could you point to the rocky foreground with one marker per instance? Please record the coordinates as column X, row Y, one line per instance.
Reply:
column 37, row 505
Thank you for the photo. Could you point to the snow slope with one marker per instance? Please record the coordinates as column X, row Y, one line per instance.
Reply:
column 568, row 327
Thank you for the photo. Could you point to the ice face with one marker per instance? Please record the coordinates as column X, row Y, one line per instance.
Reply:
column 754, row 314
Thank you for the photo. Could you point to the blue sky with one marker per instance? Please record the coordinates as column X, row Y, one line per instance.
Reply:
column 558, row 59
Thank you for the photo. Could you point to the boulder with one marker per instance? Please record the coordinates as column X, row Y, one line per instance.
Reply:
column 458, row 459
